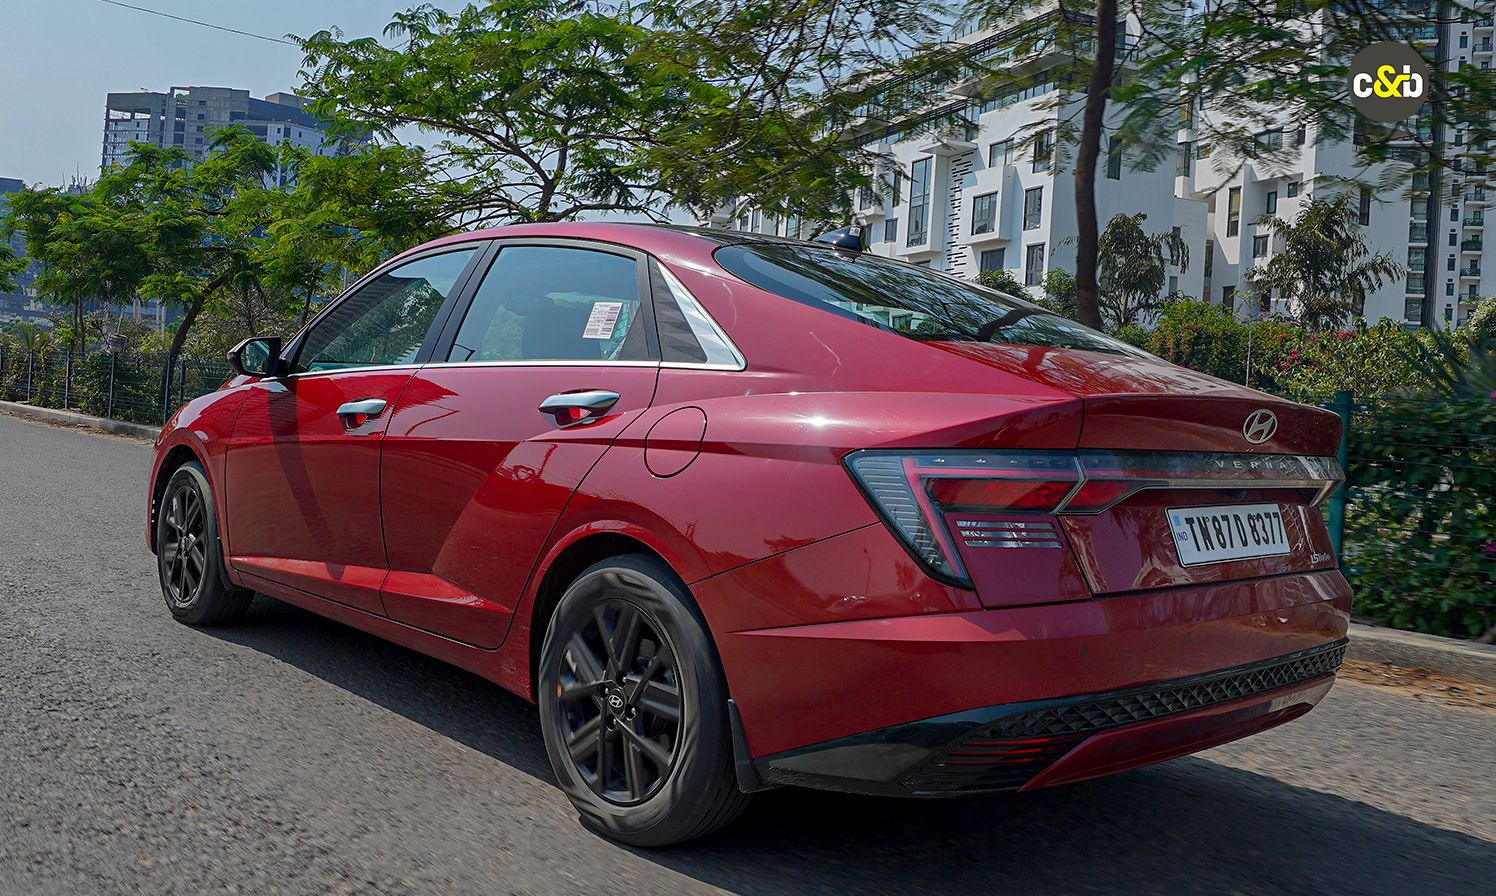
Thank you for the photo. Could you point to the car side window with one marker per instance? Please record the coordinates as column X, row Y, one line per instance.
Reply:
column 386, row 321
column 555, row 303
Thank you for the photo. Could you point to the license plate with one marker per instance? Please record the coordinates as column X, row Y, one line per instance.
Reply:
column 1232, row 532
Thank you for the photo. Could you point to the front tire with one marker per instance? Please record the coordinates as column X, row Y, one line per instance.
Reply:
column 633, row 707
column 189, row 557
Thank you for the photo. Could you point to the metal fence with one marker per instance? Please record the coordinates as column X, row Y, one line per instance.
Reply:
column 134, row 387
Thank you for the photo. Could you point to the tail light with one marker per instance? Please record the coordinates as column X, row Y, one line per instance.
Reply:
column 913, row 490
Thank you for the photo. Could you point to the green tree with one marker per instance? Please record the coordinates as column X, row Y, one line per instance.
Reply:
column 1002, row 280
column 88, row 252
column 1326, row 268
column 1133, row 267
column 1059, row 293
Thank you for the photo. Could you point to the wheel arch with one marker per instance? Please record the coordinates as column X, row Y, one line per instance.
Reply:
column 172, row 460
column 564, row 568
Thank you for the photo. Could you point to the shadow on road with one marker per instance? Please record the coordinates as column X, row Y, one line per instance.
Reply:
column 1189, row 826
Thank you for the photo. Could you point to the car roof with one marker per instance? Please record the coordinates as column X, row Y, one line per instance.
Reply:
column 649, row 237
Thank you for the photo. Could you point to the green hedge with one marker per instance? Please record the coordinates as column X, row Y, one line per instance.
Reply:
column 1420, row 529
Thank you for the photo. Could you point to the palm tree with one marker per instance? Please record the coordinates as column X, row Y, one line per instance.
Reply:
column 1326, row 269
column 1133, row 266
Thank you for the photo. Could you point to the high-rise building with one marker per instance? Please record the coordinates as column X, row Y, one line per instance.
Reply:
column 974, row 178
column 964, row 188
column 1434, row 224
column 186, row 116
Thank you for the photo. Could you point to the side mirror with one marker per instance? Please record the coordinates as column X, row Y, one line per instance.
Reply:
column 259, row 357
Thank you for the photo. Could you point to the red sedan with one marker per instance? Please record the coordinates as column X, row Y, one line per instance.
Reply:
column 739, row 512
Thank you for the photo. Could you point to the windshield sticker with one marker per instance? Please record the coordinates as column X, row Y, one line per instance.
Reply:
column 602, row 320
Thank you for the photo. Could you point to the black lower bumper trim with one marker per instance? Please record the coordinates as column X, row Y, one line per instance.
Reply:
column 1002, row 747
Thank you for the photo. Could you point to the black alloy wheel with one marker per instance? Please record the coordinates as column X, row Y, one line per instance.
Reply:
column 634, row 707
column 189, row 556
column 183, row 551
column 622, row 711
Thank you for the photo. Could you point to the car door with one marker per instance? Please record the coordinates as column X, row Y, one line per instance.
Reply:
column 554, row 355
column 302, row 469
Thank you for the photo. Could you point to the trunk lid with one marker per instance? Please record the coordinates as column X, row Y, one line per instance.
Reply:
column 1197, row 446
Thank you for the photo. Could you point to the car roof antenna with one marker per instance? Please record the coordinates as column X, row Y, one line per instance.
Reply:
column 849, row 238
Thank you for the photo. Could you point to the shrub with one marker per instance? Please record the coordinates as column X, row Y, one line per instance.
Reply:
column 1420, row 536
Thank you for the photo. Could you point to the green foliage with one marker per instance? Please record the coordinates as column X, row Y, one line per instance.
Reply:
column 1207, row 338
column 1421, row 525
column 1059, row 293
column 1002, row 280
column 1326, row 268
column 1370, row 361
column 1132, row 267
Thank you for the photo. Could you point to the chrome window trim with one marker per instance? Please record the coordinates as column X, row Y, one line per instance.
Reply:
column 709, row 334
column 548, row 362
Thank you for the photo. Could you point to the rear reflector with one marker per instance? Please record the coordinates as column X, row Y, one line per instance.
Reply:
column 913, row 490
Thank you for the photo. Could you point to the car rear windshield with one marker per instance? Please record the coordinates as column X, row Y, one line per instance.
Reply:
column 912, row 301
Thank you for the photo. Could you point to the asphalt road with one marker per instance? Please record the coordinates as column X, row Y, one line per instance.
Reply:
column 293, row 755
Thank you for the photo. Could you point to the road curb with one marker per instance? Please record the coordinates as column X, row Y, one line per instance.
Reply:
column 73, row 418
column 1461, row 659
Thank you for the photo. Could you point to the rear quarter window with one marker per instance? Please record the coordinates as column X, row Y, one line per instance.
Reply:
column 912, row 301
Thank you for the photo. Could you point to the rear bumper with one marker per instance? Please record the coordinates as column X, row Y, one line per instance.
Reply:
column 1026, row 746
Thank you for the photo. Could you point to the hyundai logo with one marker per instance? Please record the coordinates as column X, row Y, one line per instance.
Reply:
column 1260, row 426
column 615, row 702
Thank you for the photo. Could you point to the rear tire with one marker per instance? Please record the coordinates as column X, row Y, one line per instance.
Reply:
column 633, row 707
column 189, row 556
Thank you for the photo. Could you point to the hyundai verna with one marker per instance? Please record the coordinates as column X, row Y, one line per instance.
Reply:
column 739, row 512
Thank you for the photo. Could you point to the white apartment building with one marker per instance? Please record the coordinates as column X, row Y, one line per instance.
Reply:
column 963, row 192
column 186, row 116
column 973, row 179
column 1433, row 225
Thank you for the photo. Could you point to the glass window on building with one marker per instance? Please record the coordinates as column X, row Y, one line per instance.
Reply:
column 1044, row 151
column 865, row 196
column 1185, row 159
column 1271, row 205
column 1259, row 246
column 1293, row 188
column 984, row 213
column 1365, row 211
column 898, row 188
column 1033, row 207
column 1113, row 159
column 890, row 230
column 997, row 154
column 919, row 203
column 1033, row 265
column 1233, row 212
column 993, row 259
column 1270, row 141
column 1228, row 298
column 1417, row 258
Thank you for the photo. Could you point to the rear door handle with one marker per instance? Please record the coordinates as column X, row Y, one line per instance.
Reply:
column 357, row 413
column 572, row 408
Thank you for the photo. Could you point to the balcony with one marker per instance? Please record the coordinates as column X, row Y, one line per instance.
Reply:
column 1418, row 233
column 1470, row 272
column 1484, row 46
column 1415, row 287
column 1471, row 246
column 1475, row 196
column 1485, row 24
column 1475, row 221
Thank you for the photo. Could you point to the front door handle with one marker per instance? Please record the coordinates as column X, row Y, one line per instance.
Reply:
column 577, row 408
column 357, row 413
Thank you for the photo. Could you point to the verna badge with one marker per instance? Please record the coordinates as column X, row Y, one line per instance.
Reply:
column 1260, row 426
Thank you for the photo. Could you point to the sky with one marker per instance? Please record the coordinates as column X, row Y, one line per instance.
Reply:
column 58, row 59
